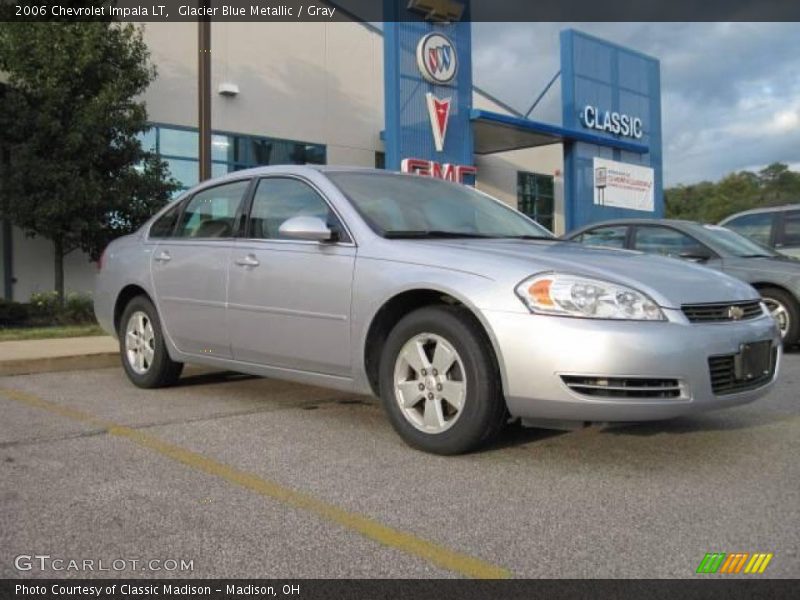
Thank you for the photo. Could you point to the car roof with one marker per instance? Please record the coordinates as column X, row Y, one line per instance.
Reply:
column 764, row 209
column 634, row 221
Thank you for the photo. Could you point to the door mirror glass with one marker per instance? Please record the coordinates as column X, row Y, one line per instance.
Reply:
column 306, row 228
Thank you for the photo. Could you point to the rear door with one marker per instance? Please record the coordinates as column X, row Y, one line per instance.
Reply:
column 289, row 300
column 190, row 270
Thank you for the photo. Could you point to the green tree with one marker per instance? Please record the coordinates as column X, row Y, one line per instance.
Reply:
column 76, row 172
column 711, row 202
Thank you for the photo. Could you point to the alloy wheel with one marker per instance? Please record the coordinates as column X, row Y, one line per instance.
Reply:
column 139, row 342
column 430, row 384
column 780, row 313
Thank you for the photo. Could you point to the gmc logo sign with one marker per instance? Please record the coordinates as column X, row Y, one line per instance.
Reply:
column 431, row 168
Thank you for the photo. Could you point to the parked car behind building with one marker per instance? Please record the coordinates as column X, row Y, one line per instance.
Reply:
column 776, row 277
column 777, row 227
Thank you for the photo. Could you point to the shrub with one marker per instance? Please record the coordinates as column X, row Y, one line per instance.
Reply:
column 13, row 313
column 45, row 309
column 78, row 308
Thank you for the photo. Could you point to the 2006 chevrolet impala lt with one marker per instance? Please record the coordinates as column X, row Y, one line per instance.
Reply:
column 458, row 311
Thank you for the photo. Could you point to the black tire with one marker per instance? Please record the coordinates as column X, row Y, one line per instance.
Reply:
column 792, row 311
column 483, row 414
column 162, row 371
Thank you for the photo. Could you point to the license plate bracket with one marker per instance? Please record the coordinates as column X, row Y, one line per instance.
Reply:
column 753, row 361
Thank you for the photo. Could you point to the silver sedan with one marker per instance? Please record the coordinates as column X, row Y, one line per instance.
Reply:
column 457, row 311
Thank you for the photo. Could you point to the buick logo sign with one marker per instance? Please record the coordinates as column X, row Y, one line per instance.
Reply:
column 436, row 58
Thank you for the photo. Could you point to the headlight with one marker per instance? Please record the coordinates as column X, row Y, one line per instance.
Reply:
column 575, row 296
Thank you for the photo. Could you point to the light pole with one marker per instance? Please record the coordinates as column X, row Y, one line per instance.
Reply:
column 204, row 92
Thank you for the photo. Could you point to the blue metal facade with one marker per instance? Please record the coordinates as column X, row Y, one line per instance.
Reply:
column 408, row 131
column 598, row 73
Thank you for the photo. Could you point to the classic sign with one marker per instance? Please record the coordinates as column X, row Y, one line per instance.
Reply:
column 611, row 122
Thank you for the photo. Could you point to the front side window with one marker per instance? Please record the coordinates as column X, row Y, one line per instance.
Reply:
column 667, row 242
column 165, row 224
column 756, row 226
column 278, row 199
column 413, row 206
column 607, row 237
column 211, row 213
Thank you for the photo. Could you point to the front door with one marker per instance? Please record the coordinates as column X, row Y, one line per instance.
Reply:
column 190, row 268
column 289, row 300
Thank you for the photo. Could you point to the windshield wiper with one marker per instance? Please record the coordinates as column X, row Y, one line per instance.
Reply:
column 755, row 256
column 430, row 234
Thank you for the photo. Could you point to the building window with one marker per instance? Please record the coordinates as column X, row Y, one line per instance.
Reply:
column 177, row 146
column 380, row 160
column 535, row 197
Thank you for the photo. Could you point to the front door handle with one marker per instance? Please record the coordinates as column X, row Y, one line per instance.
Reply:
column 248, row 261
column 163, row 256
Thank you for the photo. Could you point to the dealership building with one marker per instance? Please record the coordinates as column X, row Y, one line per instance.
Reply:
column 398, row 96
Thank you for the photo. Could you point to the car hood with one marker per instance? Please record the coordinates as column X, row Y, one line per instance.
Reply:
column 669, row 282
column 765, row 264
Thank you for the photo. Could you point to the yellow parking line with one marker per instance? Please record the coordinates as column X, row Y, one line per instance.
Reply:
column 438, row 555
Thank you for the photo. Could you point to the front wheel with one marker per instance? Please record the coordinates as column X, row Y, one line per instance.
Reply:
column 784, row 309
column 439, row 382
column 141, row 345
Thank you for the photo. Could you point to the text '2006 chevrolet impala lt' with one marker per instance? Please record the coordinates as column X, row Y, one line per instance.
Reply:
column 459, row 312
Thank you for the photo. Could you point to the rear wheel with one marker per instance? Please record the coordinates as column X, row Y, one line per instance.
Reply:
column 142, row 348
column 784, row 309
column 439, row 382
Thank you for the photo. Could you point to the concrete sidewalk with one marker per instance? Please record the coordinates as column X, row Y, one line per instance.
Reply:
column 60, row 354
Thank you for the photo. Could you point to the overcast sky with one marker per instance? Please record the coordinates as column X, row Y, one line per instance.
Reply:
column 730, row 91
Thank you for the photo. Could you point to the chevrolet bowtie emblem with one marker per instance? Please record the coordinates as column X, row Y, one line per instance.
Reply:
column 438, row 10
column 735, row 313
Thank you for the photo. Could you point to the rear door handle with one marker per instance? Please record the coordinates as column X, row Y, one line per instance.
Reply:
column 248, row 261
column 163, row 256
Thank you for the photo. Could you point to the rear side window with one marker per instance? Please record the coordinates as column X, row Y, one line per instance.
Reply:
column 211, row 213
column 607, row 237
column 165, row 224
column 791, row 228
column 756, row 226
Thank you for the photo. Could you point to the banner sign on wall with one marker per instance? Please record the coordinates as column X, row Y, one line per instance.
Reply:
column 623, row 185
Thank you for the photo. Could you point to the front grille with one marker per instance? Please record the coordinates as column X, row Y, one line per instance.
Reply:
column 723, row 375
column 623, row 387
column 718, row 313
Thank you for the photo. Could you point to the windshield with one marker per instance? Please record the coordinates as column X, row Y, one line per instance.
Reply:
column 735, row 243
column 413, row 206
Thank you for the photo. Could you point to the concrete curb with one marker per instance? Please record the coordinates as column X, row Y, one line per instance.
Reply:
column 50, row 364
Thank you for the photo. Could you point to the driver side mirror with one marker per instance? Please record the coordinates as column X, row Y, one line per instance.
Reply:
column 307, row 228
column 699, row 254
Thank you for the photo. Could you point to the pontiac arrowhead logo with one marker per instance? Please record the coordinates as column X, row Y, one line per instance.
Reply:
column 439, row 112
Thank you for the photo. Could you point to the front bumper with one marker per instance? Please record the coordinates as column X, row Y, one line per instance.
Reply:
column 536, row 351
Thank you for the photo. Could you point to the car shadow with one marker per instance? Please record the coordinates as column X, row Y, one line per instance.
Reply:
column 695, row 424
column 212, row 377
column 515, row 435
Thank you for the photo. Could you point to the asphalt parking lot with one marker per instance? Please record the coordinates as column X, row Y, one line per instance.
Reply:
column 249, row 477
